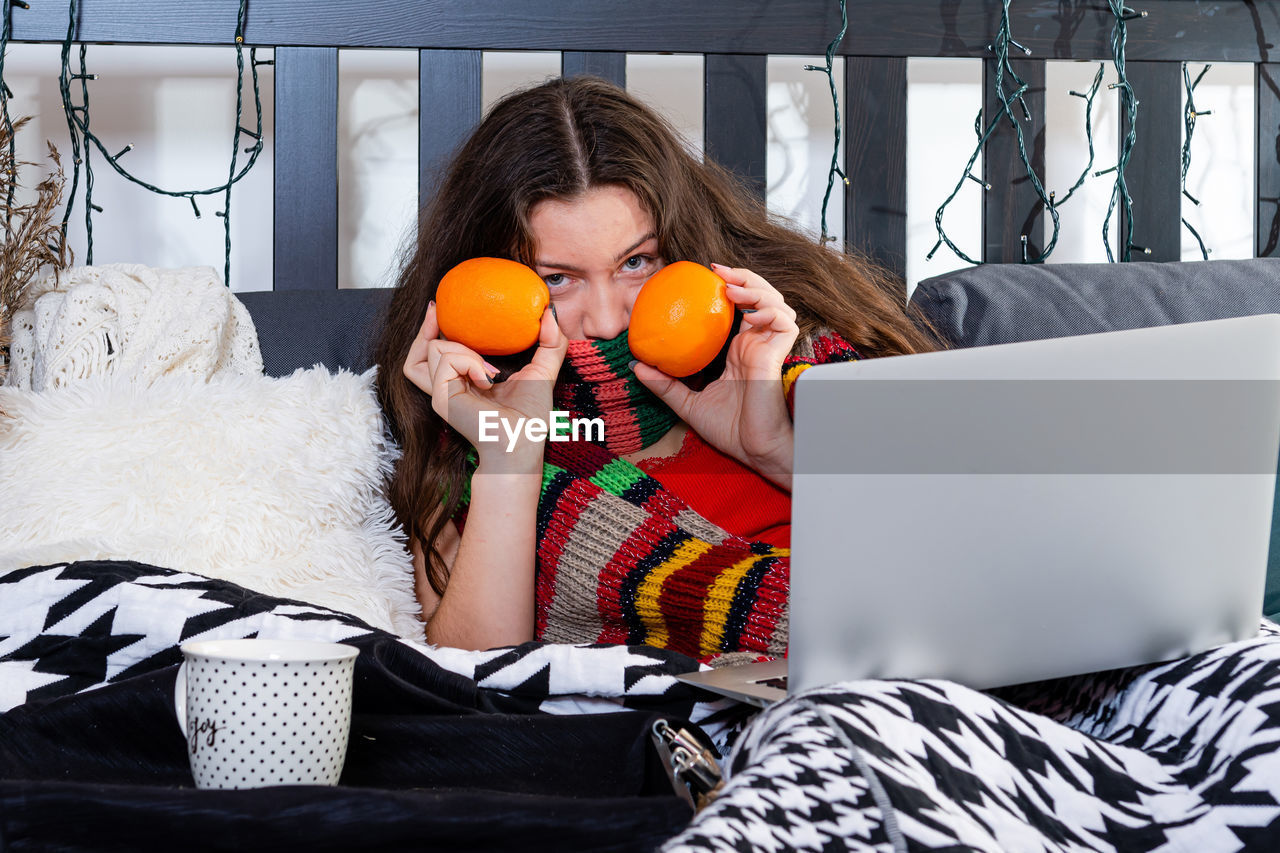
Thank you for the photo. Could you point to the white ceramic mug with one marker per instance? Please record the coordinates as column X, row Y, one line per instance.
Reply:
column 265, row 712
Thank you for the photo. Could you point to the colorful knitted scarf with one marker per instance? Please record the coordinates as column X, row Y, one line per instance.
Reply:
column 596, row 382
column 623, row 560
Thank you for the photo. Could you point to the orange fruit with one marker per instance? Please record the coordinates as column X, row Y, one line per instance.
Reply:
column 681, row 318
column 492, row 305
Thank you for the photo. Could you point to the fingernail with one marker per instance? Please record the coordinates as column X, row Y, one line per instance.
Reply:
column 631, row 365
column 553, row 314
column 748, row 310
column 718, row 267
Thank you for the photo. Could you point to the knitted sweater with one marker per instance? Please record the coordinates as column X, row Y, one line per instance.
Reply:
column 621, row 559
column 713, row 484
column 128, row 319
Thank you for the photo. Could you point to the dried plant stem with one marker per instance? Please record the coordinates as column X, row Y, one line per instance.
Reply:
column 33, row 236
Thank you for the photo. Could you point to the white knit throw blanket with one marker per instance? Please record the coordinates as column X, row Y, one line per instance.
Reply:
column 132, row 320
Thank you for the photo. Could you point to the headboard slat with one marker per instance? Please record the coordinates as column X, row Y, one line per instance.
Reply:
column 734, row 112
column 875, row 139
column 306, row 168
column 1267, row 160
column 1154, row 173
column 448, row 108
column 610, row 66
column 1012, row 207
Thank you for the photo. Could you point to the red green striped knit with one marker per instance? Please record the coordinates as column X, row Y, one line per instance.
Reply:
column 596, row 381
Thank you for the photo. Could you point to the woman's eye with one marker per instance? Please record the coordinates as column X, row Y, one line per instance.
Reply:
column 635, row 262
column 554, row 280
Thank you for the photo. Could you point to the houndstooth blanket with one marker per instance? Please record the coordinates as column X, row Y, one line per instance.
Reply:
column 72, row 627
column 1179, row 756
column 1175, row 756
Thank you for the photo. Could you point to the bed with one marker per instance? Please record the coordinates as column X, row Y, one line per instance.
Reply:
column 549, row 746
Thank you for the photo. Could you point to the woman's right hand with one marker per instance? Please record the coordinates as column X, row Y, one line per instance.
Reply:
column 461, row 386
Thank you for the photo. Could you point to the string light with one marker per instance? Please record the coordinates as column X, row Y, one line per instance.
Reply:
column 1189, row 116
column 84, row 138
column 835, row 102
column 968, row 175
column 1088, row 129
column 5, row 30
column 83, row 124
column 1000, row 47
column 1128, row 103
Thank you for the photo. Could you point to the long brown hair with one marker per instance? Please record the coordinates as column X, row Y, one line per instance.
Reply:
column 556, row 141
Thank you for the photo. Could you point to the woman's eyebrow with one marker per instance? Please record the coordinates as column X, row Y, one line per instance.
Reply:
column 626, row 253
column 630, row 251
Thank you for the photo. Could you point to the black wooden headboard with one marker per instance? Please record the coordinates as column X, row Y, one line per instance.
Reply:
column 736, row 37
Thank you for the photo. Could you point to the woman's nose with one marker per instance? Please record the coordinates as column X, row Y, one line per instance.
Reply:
column 607, row 313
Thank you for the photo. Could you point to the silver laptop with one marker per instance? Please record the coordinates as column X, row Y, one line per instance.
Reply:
column 1011, row 513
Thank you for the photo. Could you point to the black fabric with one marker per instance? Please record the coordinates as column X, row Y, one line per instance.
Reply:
column 70, row 816
column 1004, row 303
column 107, row 770
column 302, row 328
column 410, row 724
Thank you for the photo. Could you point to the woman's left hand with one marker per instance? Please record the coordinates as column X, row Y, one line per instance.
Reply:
column 744, row 412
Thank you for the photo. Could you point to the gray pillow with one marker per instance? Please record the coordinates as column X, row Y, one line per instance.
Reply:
column 1002, row 303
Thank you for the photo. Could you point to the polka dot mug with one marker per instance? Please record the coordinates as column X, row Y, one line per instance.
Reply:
column 265, row 712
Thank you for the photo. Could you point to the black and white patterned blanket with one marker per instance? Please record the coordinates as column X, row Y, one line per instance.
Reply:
column 1177, row 756
column 67, row 628
column 1180, row 756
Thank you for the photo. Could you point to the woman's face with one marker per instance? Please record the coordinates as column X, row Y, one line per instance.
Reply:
column 594, row 252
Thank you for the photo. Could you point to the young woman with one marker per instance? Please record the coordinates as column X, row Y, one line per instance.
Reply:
column 675, row 532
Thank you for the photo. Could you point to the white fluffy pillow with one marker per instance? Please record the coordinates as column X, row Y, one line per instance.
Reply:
column 275, row 484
